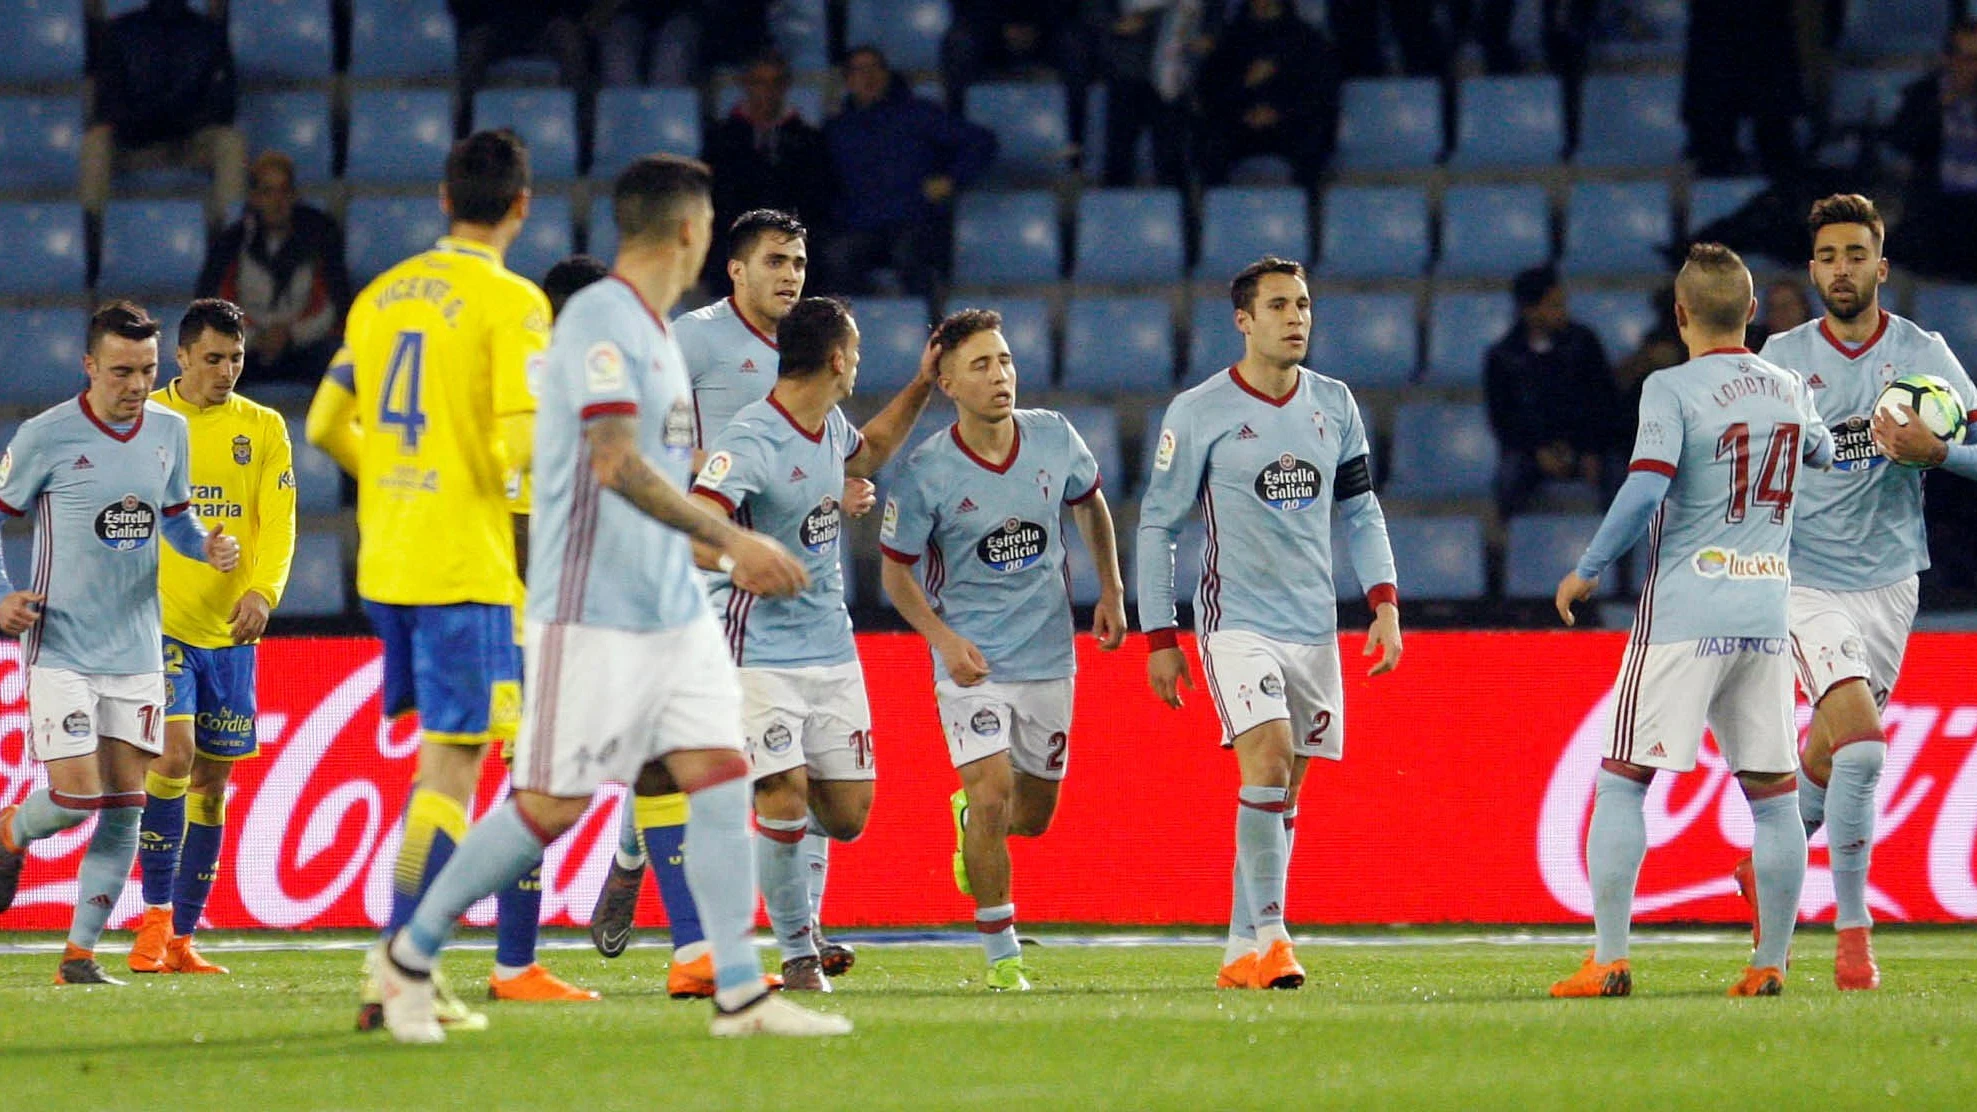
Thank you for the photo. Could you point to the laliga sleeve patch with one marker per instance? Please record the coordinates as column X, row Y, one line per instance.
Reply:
column 604, row 368
column 532, row 371
column 6, row 466
column 889, row 521
column 714, row 470
column 1163, row 456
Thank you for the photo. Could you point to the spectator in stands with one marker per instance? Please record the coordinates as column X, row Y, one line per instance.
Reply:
column 1147, row 53
column 1742, row 63
column 165, row 96
column 988, row 37
column 489, row 31
column 897, row 161
column 1783, row 306
column 675, row 42
column 282, row 262
column 764, row 155
column 1553, row 401
column 1418, row 28
column 1661, row 348
column 1936, row 127
column 1269, row 87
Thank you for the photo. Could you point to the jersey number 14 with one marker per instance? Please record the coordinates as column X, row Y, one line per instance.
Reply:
column 1776, row 475
column 399, row 402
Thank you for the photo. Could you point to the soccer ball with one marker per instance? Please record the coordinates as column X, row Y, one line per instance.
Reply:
column 1932, row 399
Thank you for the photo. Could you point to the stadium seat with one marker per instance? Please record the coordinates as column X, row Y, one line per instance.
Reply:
column 42, row 352
column 1461, row 328
column 318, row 480
column 401, row 39
column 1374, row 232
column 1633, row 120
column 1369, row 341
column 1006, row 238
column 152, row 247
column 1441, row 450
column 379, row 232
column 1712, row 199
column 892, row 333
column 1951, row 310
column 1656, row 31
column 1031, row 130
column 1870, row 96
column 1508, row 122
column 1618, row 229
column 545, row 239
column 602, row 234
column 40, row 139
column 1543, row 547
column 1389, row 124
column 546, row 119
column 1128, row 236
column 908, row 32
column 1214, row 345
column 635, row 122
column 1438, row 557
column 1494, row 231
column 399, row 135
column 44, row 42
column 1895, row 27
column 801, row 31
column 1621, row 317
column 1098, row 426
column 317, row 585
column 1240, row 224
column 295, row 123
column 1026, row 329
column 1119, row 345
column 281, row 40
column 41, row 249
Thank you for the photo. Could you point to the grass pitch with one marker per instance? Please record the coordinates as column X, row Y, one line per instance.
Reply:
column 1415, row 1021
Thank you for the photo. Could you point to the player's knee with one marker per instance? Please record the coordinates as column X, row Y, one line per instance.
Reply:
column 548, row 816
column 209, row 777
column 842, row 814
column 1862, row 757
column 781, row 795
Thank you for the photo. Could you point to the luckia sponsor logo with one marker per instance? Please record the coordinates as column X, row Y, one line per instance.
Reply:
column 1728, row 563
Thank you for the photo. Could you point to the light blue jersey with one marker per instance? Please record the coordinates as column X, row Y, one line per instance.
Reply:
column 781, row 480
column 99, row 498
column 1860, row 524
column 992, row 538
column 730, row 364
column 1266, row 473
column 1729, row 430
column 595, row 559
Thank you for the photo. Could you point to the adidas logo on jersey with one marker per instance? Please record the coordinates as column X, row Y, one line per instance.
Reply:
column 796, row 475
column 1816, row 382
column 967, row 506
column 82, row 464
column 1246, row 433
column 748, row 366
column 1656, row 750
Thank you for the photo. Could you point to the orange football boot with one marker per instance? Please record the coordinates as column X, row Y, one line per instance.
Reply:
column 1768, row 981
column 1615, row 978
column 1240, row 973
column 180, row 957
column 690, row 980
column 537, row 985
column 1278, row 967
column 1853, row 960
column 154, row 934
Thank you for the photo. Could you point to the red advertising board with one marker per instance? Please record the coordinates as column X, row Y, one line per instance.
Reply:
column 1463, row 797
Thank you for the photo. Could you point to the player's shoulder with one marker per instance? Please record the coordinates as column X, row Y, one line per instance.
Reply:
column 598, row 309
column 1915, row 337
column 758, row 420
column 54, row 421
column 1040, row 420
column 1793, row 343
column 1325, row 388
column 707, row 316
column 1219, row 388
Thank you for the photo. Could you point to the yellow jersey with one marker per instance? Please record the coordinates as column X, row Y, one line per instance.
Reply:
column 243, row 478
column 437, row 353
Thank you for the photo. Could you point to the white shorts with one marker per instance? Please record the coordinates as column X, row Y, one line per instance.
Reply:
column 1255, row 679
column 1740, row 687
column 71, row 710
column 1845, row 635
column 815, row 719
column 600, row 704
column 1028, row 719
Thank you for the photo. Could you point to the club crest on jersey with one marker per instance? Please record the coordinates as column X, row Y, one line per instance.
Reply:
column 1017, row 545
column 1163, row 456
column 820, row 527
column 1728, row 563
column 1318, row 421
column 714, row 470
column 243, row 450
column 1289, row 484
column 604, row 368
column 164, row 459
column 777, row 738
column 76, row 724
column 125, row 525
column 1043, row 484
column 678, row 436
column 1853, row 445
column 985, row 722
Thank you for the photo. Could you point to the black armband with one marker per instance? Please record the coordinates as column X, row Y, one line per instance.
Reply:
column 1354, row 478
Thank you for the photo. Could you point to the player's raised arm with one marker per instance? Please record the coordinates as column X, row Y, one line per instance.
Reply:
column 1367, row 544
column 886, row 433
column 1173, row 483
column 332, row 424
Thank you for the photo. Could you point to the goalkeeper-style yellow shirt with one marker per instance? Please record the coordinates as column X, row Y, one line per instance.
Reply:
column 243, row 478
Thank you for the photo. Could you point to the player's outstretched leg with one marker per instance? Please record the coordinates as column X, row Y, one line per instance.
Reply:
column 198, row 870
column 1850, row 836
column 105, row 869
column 617, row 900
column 160, row 834
column 1778, row 862
column 1615, row 844
column 517, row 926
column 27, row 822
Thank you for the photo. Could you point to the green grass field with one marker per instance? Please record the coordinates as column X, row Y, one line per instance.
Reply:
column 1428, row 1020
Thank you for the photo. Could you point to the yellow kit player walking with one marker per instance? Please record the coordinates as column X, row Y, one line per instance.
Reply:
column 243, row 481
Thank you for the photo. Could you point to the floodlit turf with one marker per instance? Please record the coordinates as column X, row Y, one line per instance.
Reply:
column 1427, row 1022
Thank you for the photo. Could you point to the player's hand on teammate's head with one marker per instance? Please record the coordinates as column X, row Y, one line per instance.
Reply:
column 930, row 360
column 1108, row 623
column 763, row 567
column 19, row 611
column 1573, row 588
column 1384, row 635
column 964, row 662
column 1167, row 671
column 222, row 551
column 859, row 496
column 1906, row 440
column 249, row 618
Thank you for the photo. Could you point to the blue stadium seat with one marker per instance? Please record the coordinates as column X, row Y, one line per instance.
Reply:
column 42, row 351
column 1214, row 345
column 1438, row 557
column 318, row 480
column 1119, row 345
column 636, row 122
column 1543, row 547
column 1098, row 426
column 380, row 232
column 43, row 42
column 546, row 238
column 1390, row 124
column 1031, row 130
column 399, row 135
column 1656, row 30
column 1895, row 27
column 41, row 249
column 1621, row 317
column 1712, row 199
column 1239, row 224
column 801, row 31
column 892, row 333
column 40, row 139
column 1128, row 236
column 317, row 585
column 1441, row 450
column 602, row 241
column 1368, row 340
column 1951, row 310
column 1617, row 228
column 1493, row 231
column 281, row 40
column 295, row 123
column 1026, row 329
column 1871, row 96
column 152, row 247
column 403, row 39
column 1508, row 122
column 1006, row 238
column 1461, row 328
column 1628, row 119
column 546, row 119
column 1374, row 232
column 907, row 31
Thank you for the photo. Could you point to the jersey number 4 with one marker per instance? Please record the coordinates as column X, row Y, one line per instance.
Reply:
column 399, row 403
column 1776, row 475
